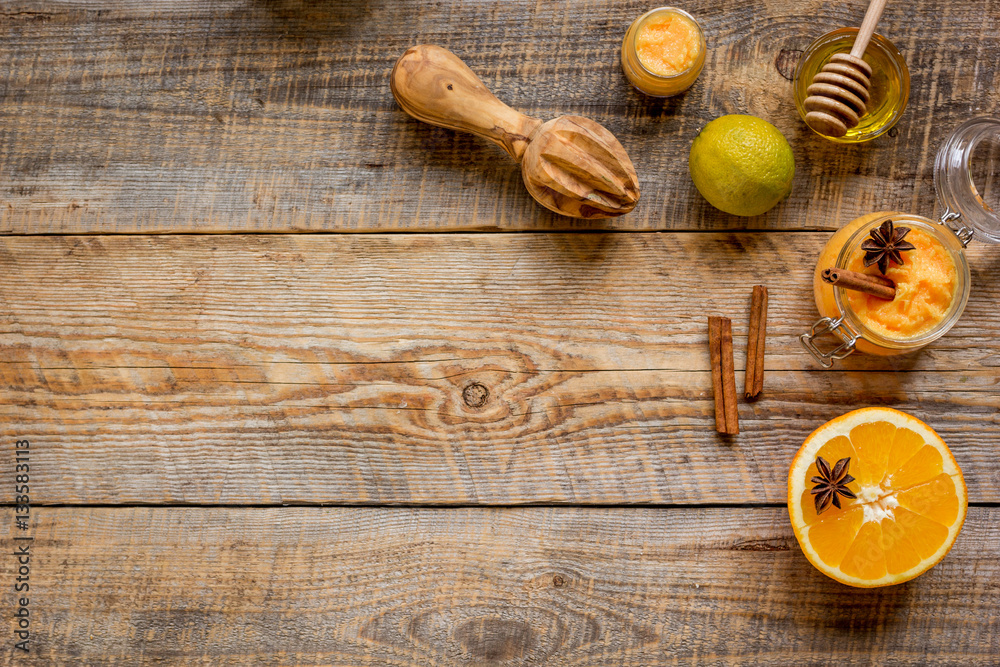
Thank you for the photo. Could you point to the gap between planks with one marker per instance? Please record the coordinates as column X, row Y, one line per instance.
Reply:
column 5, row 233
column 431, row 506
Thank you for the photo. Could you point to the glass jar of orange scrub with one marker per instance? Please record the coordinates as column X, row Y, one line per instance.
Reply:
column 923, row 261
column 663, row 52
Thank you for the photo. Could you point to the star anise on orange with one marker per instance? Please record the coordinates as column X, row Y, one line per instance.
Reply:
column 886, row 243
column 830, row 484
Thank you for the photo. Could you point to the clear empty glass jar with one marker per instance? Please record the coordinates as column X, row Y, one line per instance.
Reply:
column 967, row 178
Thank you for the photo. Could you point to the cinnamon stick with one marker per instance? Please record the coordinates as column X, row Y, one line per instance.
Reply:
column 729, row 378
column 754, row 379
column 873, row 277
column 878, row 286
column 715, row 356
column 720, row 347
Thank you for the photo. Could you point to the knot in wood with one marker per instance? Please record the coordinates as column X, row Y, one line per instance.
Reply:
column 492, row 639
column 558, row 581
column 786, row 62
column 475, row 395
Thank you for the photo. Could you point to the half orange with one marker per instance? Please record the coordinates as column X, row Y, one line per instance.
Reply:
column 909, row 498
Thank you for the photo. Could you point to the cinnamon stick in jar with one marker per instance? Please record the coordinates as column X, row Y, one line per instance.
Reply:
column 720, row 348
column 878, row 286
column 754, row 379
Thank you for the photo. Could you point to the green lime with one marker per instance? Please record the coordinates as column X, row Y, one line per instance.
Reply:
column 741, row 164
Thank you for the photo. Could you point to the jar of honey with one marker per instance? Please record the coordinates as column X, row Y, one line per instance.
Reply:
column 663, row 52
column 933, row 282
column 890, row 82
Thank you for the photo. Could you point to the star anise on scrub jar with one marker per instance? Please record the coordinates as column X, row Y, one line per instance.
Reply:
column 830, row 484
column 886, row 243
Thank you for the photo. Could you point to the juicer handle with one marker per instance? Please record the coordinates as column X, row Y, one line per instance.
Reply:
column 432, row 84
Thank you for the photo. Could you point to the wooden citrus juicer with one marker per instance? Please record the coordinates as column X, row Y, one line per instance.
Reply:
column 839, row 93
column 571, row 165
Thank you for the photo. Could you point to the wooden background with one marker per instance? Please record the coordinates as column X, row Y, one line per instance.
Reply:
column 446, row 448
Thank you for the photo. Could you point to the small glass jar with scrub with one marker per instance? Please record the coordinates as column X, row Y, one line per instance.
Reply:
column 933, row 283
column 890, row 82
column 663, row 52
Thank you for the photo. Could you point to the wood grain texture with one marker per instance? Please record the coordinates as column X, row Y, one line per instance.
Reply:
column 526, row 586
column 482, row 368
column 198, row 115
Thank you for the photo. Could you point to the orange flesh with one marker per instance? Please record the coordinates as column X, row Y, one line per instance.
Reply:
column 905, row 503
column 925, row 289
column 668, row 45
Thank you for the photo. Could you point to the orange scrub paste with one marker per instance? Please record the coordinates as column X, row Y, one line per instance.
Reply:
column 668, row 45
column 925, row 288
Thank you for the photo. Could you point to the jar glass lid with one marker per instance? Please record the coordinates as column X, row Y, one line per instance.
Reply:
column 967, row 179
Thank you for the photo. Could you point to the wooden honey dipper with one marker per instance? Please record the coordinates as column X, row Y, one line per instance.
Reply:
column 839, row 93
column 570, row 164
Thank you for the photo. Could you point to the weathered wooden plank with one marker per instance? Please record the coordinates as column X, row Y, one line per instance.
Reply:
column 214, row 116
column 484, row 368
column 523, row 586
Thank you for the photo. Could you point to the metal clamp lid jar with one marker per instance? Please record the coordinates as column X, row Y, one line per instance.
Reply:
column 966, row 216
